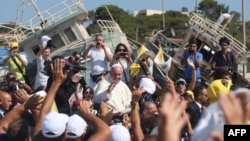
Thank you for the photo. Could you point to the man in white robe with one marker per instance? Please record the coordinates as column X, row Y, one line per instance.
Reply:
column 114, row 92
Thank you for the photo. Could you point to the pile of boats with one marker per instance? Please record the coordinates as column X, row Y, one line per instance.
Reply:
column 63, row 22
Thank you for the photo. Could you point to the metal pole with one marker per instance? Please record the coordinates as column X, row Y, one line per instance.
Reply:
column 136, row 34
column 244, row 37
column 109, row 13
column 163, row 15
column 37, row 10
column 196, row 7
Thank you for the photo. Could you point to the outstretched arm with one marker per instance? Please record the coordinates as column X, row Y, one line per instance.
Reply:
column 101, row 129
column 58, row 79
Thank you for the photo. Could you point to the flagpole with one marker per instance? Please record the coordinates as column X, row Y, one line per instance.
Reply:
column 163, row 15
column 244, row 36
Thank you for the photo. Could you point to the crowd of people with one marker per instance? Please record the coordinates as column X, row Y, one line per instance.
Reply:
column 116, row 105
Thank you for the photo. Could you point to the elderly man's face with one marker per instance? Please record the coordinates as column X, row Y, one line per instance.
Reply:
column 116, row 74
column 5, row 101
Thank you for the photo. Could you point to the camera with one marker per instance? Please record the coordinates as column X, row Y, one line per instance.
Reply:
column 97, row 44
column 229, row 68
column 117, row 118
column 191, row 50
column 72, row 68
column 123, row 54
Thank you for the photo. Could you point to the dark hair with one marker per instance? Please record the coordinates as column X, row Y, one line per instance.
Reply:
column 86, row 88
column 9, row 74
column 19, row 130
column 193, row 41
column 145, row 105
column 224, row 40
column 120, row 44
column 57, row 57
column 75, row 53
column 198, row 90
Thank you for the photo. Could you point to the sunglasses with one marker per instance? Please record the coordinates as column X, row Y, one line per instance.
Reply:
column 12, row 78
column 121, row 49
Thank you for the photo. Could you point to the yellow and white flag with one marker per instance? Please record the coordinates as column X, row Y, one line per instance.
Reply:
column 141, row 51
column 160, row 60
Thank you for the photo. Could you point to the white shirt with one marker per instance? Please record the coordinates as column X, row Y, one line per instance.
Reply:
column 2, row 112
column 99, row 63
column 199, row 105
column 41, row 78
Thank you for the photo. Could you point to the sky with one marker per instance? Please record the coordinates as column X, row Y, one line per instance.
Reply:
column 8, row 8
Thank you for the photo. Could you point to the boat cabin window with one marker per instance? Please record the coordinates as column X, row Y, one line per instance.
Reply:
column 57, row 41
column 207, row 53
column 70, row 34
column 35, row 49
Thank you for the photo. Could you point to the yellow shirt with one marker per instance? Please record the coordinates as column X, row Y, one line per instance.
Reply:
column 13, row 68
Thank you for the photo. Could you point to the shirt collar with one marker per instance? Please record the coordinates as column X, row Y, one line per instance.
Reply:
column 199, row 105
column 2, row 111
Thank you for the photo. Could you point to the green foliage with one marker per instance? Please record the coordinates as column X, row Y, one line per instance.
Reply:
column 143, row 24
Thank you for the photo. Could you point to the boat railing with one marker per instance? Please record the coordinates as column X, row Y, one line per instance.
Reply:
column 48, row 17
column 109, row 26
column 213, row 32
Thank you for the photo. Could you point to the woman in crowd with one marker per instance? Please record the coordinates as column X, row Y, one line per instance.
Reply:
column 122, row 56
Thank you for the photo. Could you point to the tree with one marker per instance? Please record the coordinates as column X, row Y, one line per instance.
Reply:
column 212, row 9
column 184, row 9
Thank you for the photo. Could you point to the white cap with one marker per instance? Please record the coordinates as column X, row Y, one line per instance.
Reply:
column 181, row 80
column 76, row 126
column 44, row 40
column 148, row 85
column 54, row 124
column 119, row 133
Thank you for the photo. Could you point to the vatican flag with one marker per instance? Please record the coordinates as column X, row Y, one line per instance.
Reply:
column 134, row 69
column 141, row 51
column 159, row 58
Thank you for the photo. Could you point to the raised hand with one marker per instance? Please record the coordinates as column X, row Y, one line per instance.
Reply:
column 33, row 102
column 170, row 85
column 232, row 109
column 57, row 68
column 171, row 119
column 21, row 96
column 76, row 78
column 84, row 108
column 136, row 94
column 190, row 63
